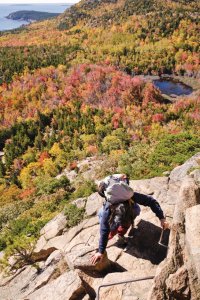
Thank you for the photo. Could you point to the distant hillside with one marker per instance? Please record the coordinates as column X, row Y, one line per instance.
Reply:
column 138, row 36
column 106, row 12
column 27, row 15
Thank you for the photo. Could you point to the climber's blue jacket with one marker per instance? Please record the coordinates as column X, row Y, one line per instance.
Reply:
column 142, row 199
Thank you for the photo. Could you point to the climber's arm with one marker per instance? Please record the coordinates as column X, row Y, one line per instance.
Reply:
column 104, row 232
column 104, row 228
column 147, row 200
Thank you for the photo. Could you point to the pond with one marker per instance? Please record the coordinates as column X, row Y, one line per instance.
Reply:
column 172, row 88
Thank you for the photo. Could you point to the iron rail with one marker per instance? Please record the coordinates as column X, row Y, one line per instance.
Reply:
column 122, row 282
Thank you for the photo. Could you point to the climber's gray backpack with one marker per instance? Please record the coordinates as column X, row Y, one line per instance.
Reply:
column 116, row 189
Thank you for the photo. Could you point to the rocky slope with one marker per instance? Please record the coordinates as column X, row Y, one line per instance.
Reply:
column 65, row 271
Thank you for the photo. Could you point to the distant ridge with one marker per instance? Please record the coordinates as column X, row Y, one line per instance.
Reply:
column 31, row 15
column 96, row 13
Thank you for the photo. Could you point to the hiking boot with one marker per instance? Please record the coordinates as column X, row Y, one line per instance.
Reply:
column 121, row 241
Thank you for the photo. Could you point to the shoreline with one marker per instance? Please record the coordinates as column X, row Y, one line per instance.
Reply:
column 22, row 20
column 25, row 16
column 190, row 82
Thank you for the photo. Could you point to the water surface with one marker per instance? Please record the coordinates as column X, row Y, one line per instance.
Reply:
column 6, row 9
column 171, row 87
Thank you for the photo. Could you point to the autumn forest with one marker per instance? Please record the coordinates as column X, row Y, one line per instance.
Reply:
column 75, row 87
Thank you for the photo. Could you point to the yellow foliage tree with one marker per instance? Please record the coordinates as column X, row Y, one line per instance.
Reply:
column 9, row 194
column 49, row 167
column 28, row 174
column 59, row 155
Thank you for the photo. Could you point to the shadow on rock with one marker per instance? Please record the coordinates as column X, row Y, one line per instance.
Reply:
column 101, row 268
column 144, row 242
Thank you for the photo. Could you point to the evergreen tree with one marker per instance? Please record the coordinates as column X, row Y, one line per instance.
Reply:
column 38, row 141
column 2, row 169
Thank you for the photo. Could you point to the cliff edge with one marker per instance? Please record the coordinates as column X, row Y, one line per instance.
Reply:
column 63, row 269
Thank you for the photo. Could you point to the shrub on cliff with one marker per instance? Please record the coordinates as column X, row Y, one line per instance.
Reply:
column 145, row 160
column 49, row 185
column 84, row 188
column 74, row 215
column 171, row 151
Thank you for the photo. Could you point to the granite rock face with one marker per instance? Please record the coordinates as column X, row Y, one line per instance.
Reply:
column 66, row 286
column 65, row 270
column 179, row 173
column 192, row 240
column 94, row 202
column 54, row 228
column 177, row 284
column 178, row 275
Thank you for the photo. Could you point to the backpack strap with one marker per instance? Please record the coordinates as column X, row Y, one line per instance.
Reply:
column 131, row 203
